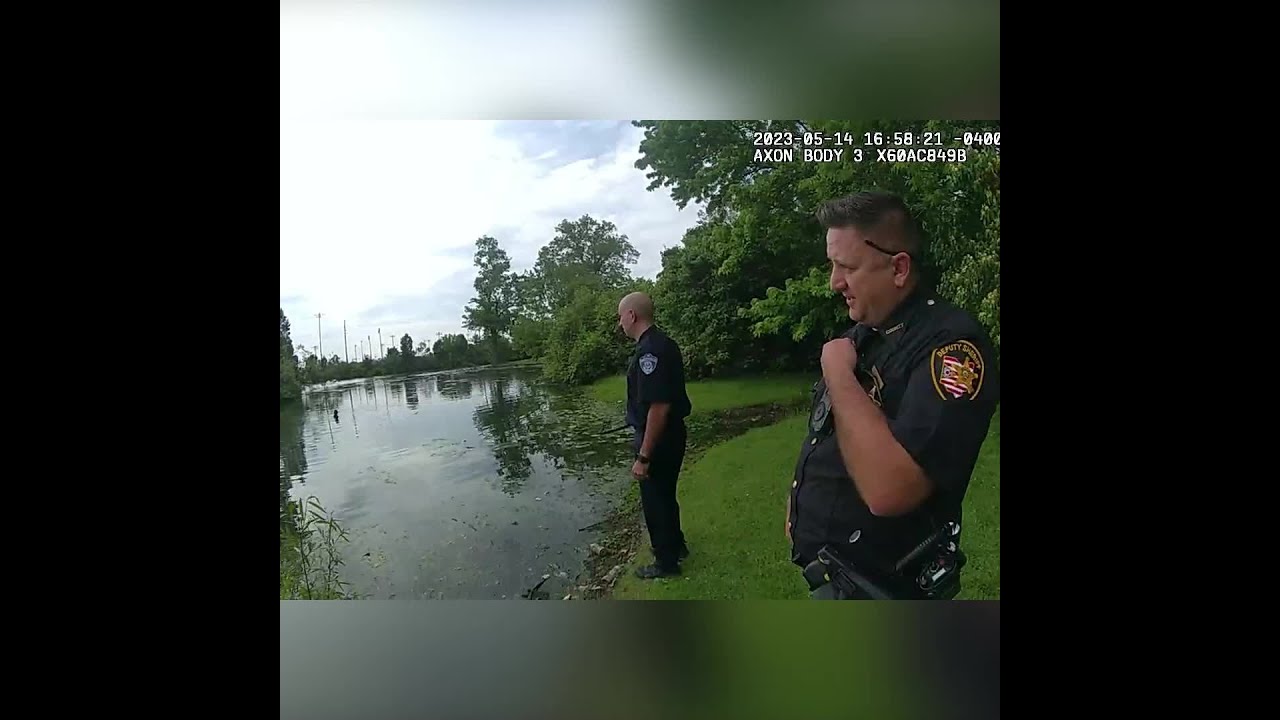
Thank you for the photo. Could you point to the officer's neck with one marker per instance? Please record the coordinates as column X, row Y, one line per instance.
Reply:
column 641, row 328
column 906, row 299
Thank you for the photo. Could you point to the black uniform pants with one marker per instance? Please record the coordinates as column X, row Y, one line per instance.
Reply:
column 658, row 494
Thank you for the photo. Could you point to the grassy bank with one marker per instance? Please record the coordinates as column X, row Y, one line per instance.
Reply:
column 715, row 395
column 733, row 502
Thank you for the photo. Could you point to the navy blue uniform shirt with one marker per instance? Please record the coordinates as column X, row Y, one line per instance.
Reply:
column 655, row 373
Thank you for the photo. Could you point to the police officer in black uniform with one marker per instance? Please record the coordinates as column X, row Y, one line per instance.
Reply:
column 657, row 405
column 903, row 406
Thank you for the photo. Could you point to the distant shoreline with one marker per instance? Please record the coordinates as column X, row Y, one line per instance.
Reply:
column 419, row 373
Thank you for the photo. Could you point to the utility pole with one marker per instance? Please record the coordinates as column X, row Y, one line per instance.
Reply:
column 370, row 345
column 380, row 342
column 346, row 349
column 320, row 333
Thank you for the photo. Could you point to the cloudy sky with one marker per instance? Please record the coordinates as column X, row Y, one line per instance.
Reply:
column 383, row 195
column 379, row 217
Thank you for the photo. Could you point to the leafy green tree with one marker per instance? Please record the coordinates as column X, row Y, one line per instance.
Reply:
column 585, row 342
column 491, row 311
column 453, row 351
column 585, row 253
column 570, row 299
column 290, row 389
column 529, row 337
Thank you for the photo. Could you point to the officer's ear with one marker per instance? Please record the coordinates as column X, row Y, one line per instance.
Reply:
column 903, row 268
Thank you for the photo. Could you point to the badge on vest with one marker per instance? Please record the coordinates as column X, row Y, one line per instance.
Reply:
column 957, row 370
column 648, row 363
column 875, row 389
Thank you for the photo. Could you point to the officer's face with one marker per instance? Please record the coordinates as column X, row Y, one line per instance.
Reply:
column 626, row 320
column 871, row 281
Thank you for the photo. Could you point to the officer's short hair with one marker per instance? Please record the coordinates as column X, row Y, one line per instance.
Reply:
column 867, row 210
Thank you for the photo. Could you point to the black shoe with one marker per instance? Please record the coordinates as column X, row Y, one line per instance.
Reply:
column 649, row 572
column 684, row 553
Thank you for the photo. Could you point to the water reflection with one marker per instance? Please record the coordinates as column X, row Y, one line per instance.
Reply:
column 504, row 420
column 522, row 419
column 453, row 388
column 293, row 454
column 455, row 484
column 411, row 392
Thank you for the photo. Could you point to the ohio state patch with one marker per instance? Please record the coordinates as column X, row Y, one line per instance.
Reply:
column 648, row 363
column 957, row 370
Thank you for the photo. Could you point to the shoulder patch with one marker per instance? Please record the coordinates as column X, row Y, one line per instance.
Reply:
column 957, row 370
column 648, row 363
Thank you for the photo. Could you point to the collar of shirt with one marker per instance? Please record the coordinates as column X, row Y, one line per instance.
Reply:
column 906, row 311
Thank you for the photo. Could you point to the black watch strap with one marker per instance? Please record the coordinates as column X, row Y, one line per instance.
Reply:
column 641, row 457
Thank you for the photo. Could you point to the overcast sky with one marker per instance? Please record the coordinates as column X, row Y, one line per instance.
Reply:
column 381, row 201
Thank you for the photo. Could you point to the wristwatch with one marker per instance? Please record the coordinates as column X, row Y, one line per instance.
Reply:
column 643, row 460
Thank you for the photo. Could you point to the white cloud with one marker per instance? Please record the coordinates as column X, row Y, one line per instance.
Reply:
column 378, row 217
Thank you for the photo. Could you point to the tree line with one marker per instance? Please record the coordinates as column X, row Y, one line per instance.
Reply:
column 746, row 290
column 299, row 367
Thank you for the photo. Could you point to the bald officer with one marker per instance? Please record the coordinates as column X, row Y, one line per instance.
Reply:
column 903, row 405
column 657, row 405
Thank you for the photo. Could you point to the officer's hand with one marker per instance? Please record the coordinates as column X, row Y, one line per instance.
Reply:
column 639, row 470
column 838, row 358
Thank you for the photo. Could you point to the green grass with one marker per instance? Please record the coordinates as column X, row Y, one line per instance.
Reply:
column 733, row 506
column 713, row 395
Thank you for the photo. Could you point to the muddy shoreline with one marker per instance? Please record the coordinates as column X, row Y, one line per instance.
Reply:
column 623, row 534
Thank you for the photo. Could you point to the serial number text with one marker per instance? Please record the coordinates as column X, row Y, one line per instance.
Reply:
column 922, row 155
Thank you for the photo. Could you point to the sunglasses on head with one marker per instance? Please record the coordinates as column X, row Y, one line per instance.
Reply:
column 887, row 252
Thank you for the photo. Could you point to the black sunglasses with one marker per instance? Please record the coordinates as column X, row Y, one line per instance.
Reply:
column 887, row 252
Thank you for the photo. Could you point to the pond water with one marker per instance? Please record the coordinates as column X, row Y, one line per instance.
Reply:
column 457, row 485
